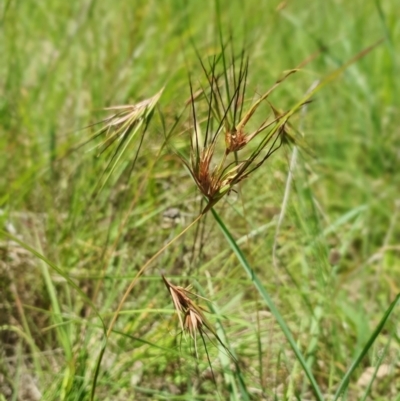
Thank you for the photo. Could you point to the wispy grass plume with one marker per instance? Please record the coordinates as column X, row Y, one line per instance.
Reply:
column 119, row 129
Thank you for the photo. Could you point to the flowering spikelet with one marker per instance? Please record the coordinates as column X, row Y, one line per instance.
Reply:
column 122, row 127
column 235, row 140
column 191, row 316
column 216, row 174
column 123, row 121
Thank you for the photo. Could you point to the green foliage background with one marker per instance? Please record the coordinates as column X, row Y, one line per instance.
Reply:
column 339, row 251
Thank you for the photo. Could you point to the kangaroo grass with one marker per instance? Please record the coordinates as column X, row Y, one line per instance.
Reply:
column 121, row 126
column 283, row 119
column 126, row 294
column 215, row 181
column 214, row 174
column 194, row 319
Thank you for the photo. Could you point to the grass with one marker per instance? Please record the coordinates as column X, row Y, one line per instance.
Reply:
column 301, row 309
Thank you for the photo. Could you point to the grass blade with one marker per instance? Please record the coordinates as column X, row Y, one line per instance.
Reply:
column 268, row 300
column 58, row 271
column 343, row 384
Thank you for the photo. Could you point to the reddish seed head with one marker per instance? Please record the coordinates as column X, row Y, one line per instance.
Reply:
column 235, row 140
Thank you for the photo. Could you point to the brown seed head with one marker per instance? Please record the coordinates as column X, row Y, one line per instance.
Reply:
column 235, row 140
column 193, row 322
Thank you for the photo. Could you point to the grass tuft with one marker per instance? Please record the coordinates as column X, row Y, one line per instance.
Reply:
column 286, row 220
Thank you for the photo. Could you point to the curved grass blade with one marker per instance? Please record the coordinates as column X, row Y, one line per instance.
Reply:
column 59, row 271
column 378, row 365
column 73, row 285
column 345, row 381
column 268, row 301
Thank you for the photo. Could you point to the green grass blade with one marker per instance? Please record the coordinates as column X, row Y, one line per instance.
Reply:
column 343, row 384
column 121, row 150
column 268, row 300
column 59, row 271
column 378, row 365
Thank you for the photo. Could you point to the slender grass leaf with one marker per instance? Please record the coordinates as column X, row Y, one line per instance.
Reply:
column 268, row 300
